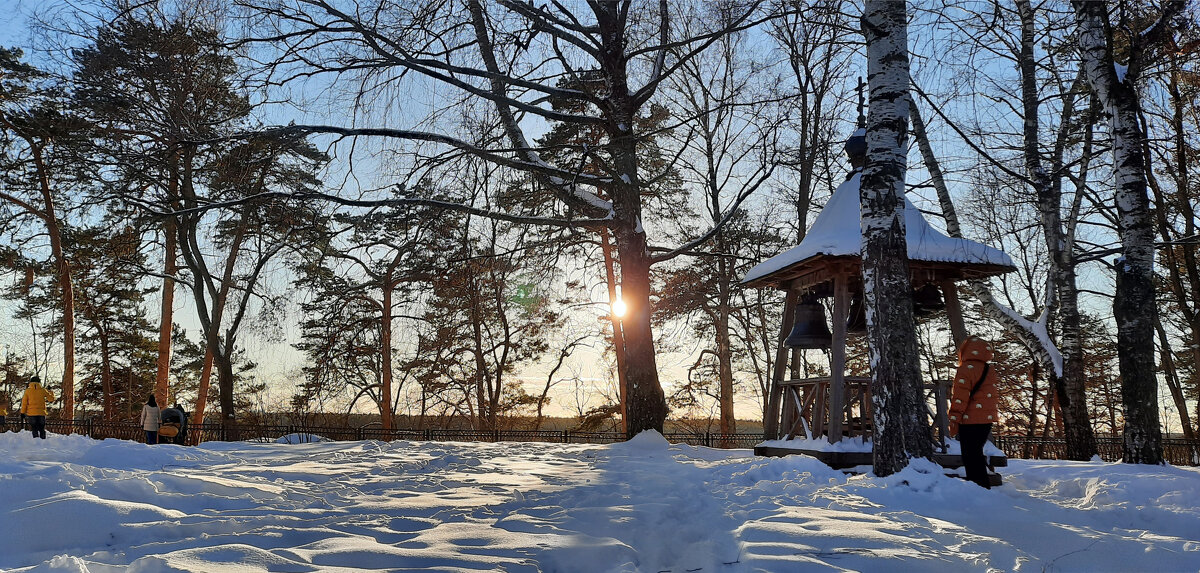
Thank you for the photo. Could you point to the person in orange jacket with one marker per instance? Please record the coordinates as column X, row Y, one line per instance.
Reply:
column 973, row 405
column 33, row 406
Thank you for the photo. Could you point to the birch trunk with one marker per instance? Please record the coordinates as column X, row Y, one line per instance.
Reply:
column 1134, row 304
column 901, row 429
column 1069, row 381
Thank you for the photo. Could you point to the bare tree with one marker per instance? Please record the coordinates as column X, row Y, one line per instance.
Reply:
column 1134, row 306
column 728, row 152
column 34, row 132
column 514, row 56
column 1061, row 357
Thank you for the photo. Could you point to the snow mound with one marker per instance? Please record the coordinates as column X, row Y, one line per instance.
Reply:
column 648, row 440
column 301, row 439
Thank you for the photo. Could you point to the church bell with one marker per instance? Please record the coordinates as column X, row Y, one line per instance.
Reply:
column 927, row 300
column 810, row 330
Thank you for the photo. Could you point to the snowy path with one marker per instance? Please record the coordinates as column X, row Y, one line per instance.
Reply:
column 74, row 504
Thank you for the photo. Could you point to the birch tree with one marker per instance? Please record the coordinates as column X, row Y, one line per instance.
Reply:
column 1134, row 305
column 898, row 406
column 1060, row 349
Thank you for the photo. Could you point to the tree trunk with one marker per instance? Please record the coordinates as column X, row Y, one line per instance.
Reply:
column 646, row 403
column 385, row 351
column 725, row 363
column 106, row 376
column 901, row 431
column 618, row 338
column 483, row 413
column 166, row 317
column 1134, row 305
column 1069, row 383
column 202, row 392
column 1183, row 269
column 213, row 353
column 65, row 286
column 1171, row 374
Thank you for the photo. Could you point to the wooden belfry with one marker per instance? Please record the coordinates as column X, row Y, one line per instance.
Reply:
column 828, row 264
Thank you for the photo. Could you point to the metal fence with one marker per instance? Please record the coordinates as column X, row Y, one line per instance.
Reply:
column 1176, row 451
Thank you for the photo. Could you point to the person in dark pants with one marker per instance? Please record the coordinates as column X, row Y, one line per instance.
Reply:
column 974, row 406
column 33, row 406
column 150, row 420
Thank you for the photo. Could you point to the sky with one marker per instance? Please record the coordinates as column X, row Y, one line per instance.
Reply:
column 75, row 505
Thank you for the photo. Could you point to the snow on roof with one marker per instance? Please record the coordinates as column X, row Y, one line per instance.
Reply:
column 837, row 232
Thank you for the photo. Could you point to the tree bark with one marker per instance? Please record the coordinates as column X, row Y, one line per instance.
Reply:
column 1171, row 374
column 106, row 376
column 65, row 284
column 901, row 431
column 618, row 338
column 646, row 403
column 213, row 355
column 1069, row 383
column 1183, row 269
column 202, row 393
column 385, row 348
column 1134, row 303
column 166, row 316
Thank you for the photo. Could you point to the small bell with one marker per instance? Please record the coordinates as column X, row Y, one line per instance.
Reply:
column 810, row 330
column 927, row 300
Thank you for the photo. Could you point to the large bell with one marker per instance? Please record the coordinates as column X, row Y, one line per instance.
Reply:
column 856, row 323
column 927, row 300
column 810, row 330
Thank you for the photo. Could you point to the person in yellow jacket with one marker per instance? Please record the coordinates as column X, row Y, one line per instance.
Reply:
column 33, row 406
column 974, row 405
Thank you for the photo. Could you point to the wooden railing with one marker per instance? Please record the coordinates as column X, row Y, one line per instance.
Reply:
column 1177, row 451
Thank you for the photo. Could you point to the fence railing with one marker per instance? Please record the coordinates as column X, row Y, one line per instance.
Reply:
column 1176, row 451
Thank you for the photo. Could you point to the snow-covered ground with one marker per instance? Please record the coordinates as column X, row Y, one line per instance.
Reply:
column 74, row 504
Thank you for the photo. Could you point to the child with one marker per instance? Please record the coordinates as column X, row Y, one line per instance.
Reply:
column 973, row 405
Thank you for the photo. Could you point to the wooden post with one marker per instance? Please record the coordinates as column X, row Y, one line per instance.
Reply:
column 958, row 329
column 941, row 396
column 771, row 421
column 837, row 357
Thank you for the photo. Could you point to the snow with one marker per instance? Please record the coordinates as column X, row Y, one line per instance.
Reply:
column 836, row 232
column 75, row 504
column 301, row 439
column 858, row 444
column 1121, row 70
